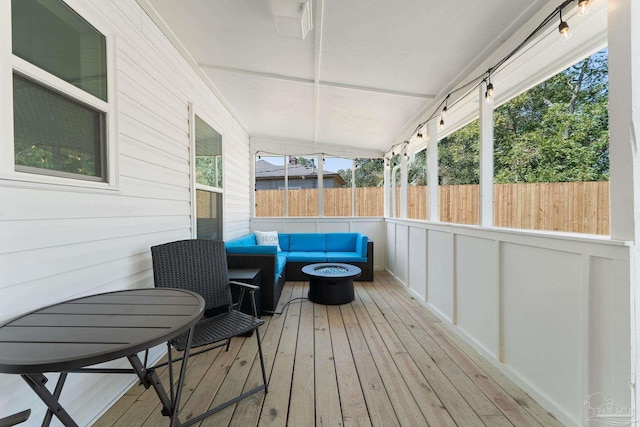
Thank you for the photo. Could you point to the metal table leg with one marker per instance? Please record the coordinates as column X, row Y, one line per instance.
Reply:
column 149, row 378
column 37, row 383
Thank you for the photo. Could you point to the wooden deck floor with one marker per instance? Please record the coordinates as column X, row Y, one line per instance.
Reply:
column 383, row 360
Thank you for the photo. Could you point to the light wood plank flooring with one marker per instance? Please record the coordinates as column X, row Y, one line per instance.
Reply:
column 383, row 360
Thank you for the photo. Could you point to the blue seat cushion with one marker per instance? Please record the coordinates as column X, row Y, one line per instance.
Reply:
column 299, row 256
column 345, row 257
column 307, row 242
column 341, row 242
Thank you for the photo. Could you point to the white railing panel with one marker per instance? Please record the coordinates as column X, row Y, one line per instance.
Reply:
column 552, row 311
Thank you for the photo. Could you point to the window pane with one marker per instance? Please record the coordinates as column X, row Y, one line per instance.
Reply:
column 336, row 173
column 208, row 155
column 417, row 186
column 48, row 34
column 551, row 156
column 208, row 215
column 54, row 133
column 459, row 176
column 269, row 194
column 370, row 187
column 303, row 186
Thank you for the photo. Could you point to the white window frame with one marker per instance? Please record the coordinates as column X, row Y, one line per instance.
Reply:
column 10, row 64
column 192, row 160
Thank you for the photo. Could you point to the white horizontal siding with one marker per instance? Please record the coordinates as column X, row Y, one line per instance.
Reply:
column 237, row 210
column 60, row 242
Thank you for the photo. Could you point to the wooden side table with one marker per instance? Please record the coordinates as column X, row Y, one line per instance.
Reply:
column 252, row 276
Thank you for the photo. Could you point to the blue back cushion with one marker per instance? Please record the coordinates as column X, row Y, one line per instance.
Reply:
column 251, row 249
column 361, row 244
column 283, row 241
column 249, row 239
column 341, row 242
column 315, row 242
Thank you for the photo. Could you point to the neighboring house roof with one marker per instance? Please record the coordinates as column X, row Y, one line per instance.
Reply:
column 266, row 170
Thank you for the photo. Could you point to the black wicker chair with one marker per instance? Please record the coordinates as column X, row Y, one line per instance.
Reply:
column 201, row 266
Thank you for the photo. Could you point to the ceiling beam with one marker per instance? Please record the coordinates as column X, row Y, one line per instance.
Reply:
column 316, row 71
column 282, row 145
column 319, row 82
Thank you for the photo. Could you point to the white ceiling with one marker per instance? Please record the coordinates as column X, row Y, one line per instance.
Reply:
column 366, row 72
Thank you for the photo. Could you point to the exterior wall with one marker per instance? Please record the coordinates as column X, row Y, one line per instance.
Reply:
column 296, row 182
column 57, row 242
column 270, row 184
column 552, row 312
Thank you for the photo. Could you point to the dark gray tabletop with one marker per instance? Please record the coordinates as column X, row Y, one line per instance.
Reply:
column 95, row 329
column 243, row 273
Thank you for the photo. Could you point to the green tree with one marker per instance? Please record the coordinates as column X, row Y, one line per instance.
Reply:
column 557, row 131
column 303, row 161
column 458, row 157
column 369, row 173
column 417, row 169
column 209, row 170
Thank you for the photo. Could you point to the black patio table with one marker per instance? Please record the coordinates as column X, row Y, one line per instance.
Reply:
column 73, row 335
column 331, row 283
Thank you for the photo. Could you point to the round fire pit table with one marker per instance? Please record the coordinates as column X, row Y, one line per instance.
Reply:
column 331, row 283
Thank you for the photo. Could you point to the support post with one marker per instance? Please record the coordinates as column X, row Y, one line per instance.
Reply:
column 623, row 18
column 286, row 185
column 403, row 183
column 320, row 171
column 486, row 160
column 353, row 187
column 387, row 184
column 432, row 171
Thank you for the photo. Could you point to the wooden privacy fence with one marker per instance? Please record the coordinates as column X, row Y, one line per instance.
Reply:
column 577, row 207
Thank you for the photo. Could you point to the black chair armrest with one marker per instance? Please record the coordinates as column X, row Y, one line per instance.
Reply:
column 251, row 287
column 252, row 294
column 14, row 419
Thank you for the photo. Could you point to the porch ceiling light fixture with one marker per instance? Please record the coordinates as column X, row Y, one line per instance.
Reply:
column 293, row 18
column 471, row 85
column 563, row 28
column 583, row 7
column 488, row 95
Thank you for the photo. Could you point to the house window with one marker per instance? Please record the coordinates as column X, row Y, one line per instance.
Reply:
column 59, row 92
column 208, row 177
column 208, row 155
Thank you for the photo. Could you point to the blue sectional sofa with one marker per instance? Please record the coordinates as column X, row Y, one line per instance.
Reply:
column 296, row 251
